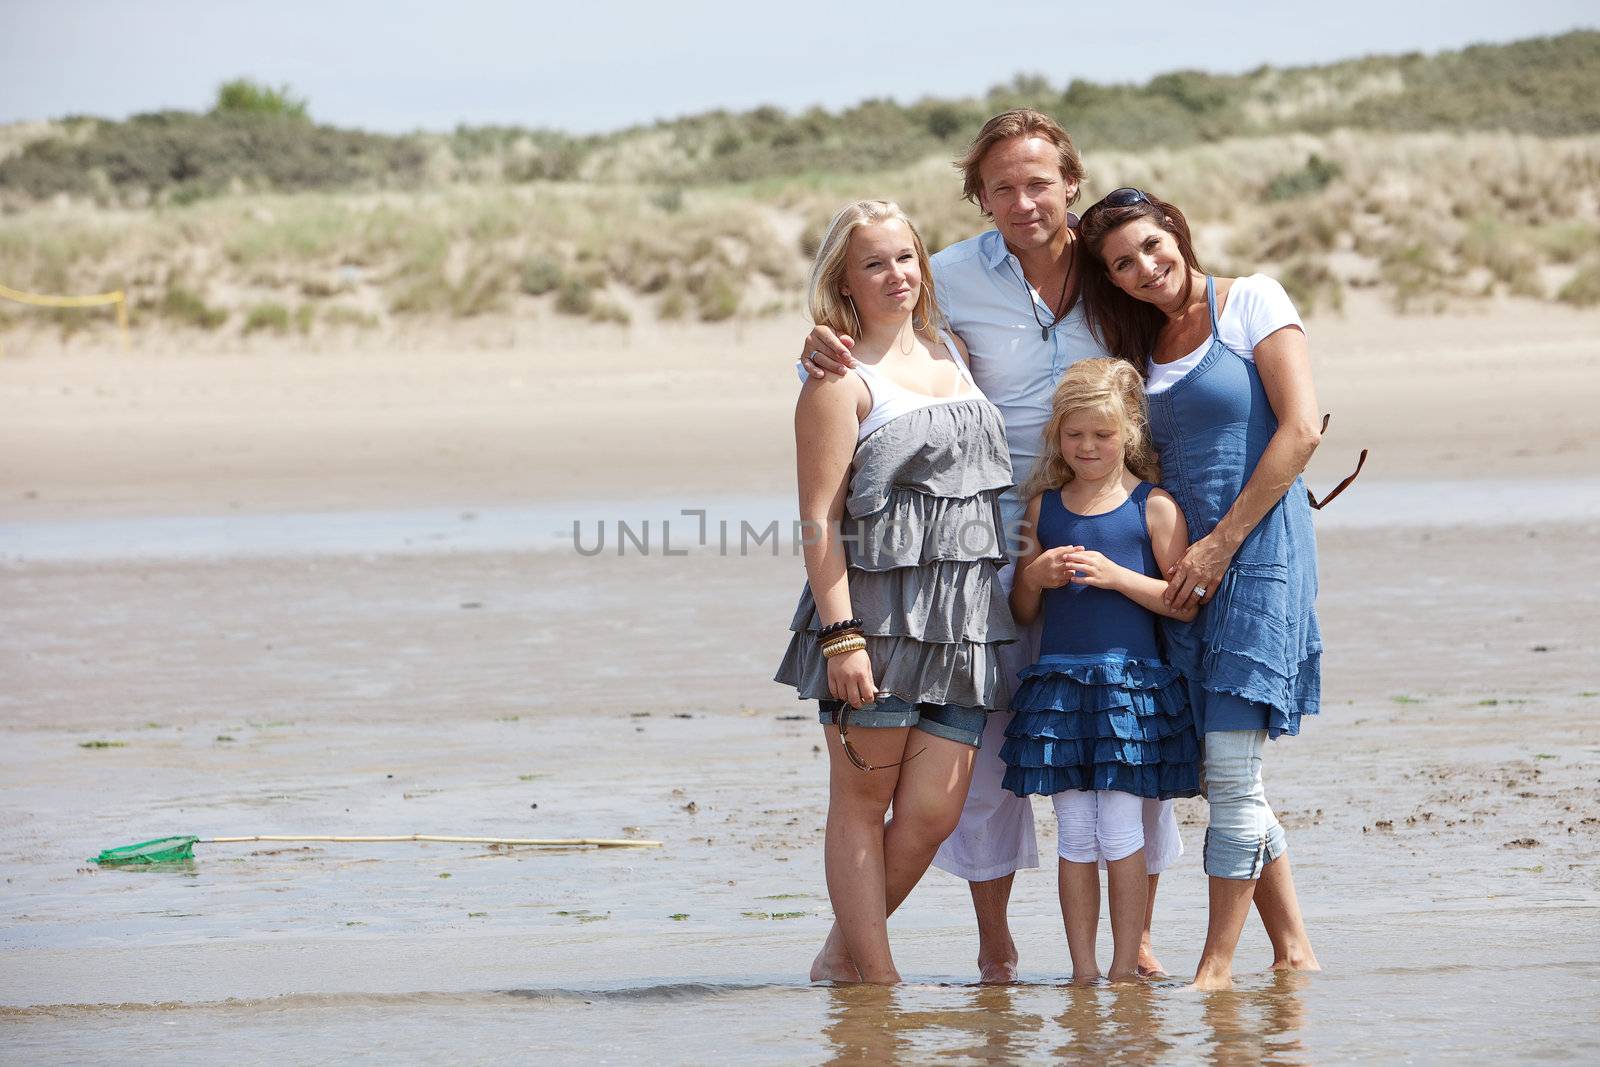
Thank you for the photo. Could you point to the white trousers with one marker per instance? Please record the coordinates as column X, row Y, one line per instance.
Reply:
column 1098, row 826
column 996, row 834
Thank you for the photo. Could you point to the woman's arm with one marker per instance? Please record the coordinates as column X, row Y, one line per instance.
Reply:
column 1283, row 359
column 1168, row 538
column 826, row 419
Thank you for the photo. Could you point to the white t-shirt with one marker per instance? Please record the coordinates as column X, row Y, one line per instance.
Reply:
column 1257, row 306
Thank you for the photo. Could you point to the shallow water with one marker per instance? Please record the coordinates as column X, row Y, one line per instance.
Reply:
column 747, row 525
column 1441, row 815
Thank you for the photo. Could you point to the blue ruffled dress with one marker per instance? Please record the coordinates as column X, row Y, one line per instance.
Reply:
column 1101, row 709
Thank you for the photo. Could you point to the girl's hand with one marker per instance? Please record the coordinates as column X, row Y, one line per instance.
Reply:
column 1092, row 568
column 1050, row 570
column 850, row 679
column 1201, row 568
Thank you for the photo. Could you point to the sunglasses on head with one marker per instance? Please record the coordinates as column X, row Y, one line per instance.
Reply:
column 1127, row 196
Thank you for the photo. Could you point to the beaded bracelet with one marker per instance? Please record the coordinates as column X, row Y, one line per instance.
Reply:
column 834, row 629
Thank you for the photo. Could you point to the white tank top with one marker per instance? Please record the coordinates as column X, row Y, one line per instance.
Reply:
column 890, row 400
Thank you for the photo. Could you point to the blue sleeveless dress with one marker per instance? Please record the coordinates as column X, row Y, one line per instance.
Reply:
column 1100, row 709
column 1253, row 656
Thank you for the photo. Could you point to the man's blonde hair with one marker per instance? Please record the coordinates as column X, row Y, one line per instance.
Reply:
column 1019, row 122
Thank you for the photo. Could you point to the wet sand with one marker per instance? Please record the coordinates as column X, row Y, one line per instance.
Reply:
column 1441, row 818
column 322, row 593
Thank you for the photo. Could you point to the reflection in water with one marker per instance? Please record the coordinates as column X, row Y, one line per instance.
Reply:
column 874, row 1024
column 1138, row 1023
column 1124, row 1023
column 1259, row 1026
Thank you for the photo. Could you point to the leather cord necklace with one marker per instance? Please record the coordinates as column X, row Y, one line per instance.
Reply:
column 1033, row 305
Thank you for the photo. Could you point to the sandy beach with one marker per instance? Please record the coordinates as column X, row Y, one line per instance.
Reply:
column 549, row 410
column 189, row 649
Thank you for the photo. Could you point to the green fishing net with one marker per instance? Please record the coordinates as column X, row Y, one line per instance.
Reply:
column 161, row 850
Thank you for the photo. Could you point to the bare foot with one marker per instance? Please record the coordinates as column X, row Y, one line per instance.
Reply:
column 1300, row 959
column 999, row 972
column 1149, row 966
column 1085, row 977
column 1211, row 981
column 1116, row 977
column 833, row 963
column 1002, row 969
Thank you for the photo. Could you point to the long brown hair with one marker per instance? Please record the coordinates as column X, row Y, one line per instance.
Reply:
column 1127, row 326
column 1109, row 386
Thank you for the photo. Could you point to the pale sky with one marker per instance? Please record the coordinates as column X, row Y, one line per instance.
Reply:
column 587, row 65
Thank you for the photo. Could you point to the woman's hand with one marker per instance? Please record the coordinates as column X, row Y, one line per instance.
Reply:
column 1091, row 568
column 850, row 679
column 827, row 352
column 1198, row 574
column 1050, row 569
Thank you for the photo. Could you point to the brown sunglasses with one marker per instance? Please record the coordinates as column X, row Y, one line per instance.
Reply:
column 1342, row 486
column 842, row 719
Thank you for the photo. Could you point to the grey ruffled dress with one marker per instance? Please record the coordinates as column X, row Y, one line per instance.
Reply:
column 924, row 543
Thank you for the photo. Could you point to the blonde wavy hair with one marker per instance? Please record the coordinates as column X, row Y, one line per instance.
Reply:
column 1111, row 387
column 829, row 307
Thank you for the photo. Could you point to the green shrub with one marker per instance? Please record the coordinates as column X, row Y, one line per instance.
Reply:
column 1504, row 251
column 1566, row 242
column 673, row 305
column 1314, row 177
column 482, row 289
column 943, row 121
column 717, row 299
column 274, row 317
column 1311, row 285
column 160, row 151
column 245, row 97
column 260, row 135
column 605, row 311
column 540, row 275
column 575, row 298
column 185, row 306
column 302, row 318
column 421, row 294
column 321, row 288
column 339, row 315
column 192, row 192
column 1415, row 273
column 1583, row 289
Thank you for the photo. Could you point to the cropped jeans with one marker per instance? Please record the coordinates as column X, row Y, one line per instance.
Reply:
column 1243, row 835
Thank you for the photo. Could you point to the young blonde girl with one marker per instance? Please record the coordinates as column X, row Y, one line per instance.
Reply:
column 1102, row 722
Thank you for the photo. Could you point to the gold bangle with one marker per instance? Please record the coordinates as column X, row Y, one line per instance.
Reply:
column 854, row 643
column 836, row 638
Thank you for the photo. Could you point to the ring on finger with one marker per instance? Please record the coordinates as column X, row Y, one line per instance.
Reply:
column 1200, row 591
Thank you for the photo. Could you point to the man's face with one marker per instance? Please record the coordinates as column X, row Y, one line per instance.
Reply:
column 1025, row 192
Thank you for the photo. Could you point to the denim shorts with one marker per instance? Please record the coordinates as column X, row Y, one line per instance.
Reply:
column 952, row 721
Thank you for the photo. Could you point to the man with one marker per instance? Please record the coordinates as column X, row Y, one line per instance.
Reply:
column 1010, row 293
